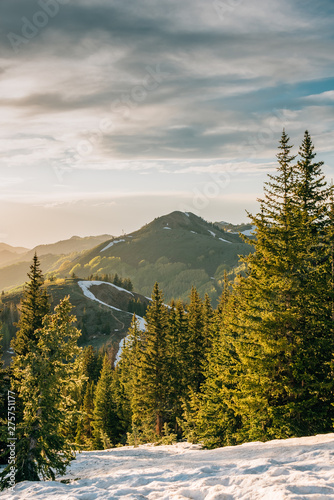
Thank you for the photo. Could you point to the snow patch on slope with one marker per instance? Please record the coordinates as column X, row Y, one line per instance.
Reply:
column 291, row 469
column 141, row 325
column 225, row 241
column 212, row 233
column 111, row 244
column 85, row 285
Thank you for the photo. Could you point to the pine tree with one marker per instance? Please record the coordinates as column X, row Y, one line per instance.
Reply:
column 282, row 339
column 34, row 307
column 84, row 435
column 127, row 373
column 43, row 379
column 195, row 343
column 150, row 396
column 209, row 415
column 177, row 388
column 105, row 421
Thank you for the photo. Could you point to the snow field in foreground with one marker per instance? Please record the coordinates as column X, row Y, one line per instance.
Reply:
column 300, row 468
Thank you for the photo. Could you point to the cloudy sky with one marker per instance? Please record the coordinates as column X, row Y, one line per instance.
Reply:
column 116, row 112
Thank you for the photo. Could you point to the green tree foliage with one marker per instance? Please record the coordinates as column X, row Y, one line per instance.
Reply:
column 269, row 369
column 285, row 332
column 105, row 421
column 43, row 379
column 195, row 343
column 150, row 401
column 84, row 434
column 34, row 307
column 137, row 307
column 9, row 317
column 209, row 415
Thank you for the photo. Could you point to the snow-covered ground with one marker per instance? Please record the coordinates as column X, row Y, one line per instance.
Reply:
column 290, row 469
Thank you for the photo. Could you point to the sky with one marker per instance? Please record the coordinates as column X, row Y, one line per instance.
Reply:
column 116, row 112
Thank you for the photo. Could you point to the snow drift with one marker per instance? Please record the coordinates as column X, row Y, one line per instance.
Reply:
column 301, row 468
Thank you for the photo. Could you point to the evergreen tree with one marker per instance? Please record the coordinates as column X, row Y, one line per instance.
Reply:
column 84, row 435
column 34, row 307
column 209, row 416
column 195, row 343
column 127, row 373
column 105, row 421
column 282, row 339
column 177, row 382
column 43, row 379
column 150, row 397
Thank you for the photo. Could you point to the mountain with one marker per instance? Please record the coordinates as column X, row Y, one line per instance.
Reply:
column 9, row 254
column 178, row 250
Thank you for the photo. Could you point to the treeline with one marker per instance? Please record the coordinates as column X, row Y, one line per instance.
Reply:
column 9, row 315
column 115, row 279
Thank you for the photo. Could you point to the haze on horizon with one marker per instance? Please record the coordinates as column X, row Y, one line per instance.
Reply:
column 118, row 112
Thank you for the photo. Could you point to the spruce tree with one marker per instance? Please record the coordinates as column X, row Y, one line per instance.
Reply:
column 195, row 343
column 43, row 379
column 282, row 340
column 177, row 388
column 34, row 307
column 105, row 422
column 84, row 435
column 150, row 396
column 209, row 417
column 127, row 373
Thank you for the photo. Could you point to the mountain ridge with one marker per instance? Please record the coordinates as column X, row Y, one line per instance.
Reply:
column 179, row 250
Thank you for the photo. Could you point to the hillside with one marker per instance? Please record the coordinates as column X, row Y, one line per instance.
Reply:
column 74, row 244
column 289, row 469
column 103, row 314
column 177, row 250
column 9, row 254
column 13, row 271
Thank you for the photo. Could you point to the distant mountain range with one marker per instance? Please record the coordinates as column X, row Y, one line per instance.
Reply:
column 9, row 254
column 178, row 250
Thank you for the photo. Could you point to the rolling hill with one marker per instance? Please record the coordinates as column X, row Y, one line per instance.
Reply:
column 9, row 254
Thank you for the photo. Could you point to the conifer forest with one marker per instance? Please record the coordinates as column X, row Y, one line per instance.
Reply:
column 256, row 366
